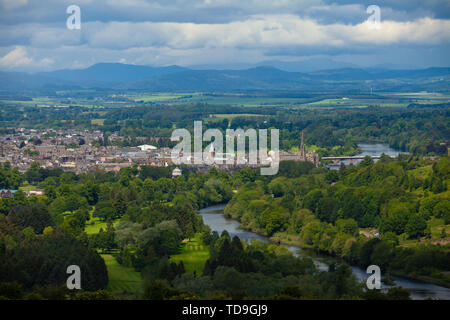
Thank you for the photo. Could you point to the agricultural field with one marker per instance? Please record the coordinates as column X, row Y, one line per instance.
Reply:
column 158, row 97
column 233, row 99
column 234, row 115
column 348, row 102
column 98, row 101
column 390, row 100
column 426, row 96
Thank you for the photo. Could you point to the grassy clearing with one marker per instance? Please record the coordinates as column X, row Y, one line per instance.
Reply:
column 423, row 172
column 123, row 281
column 97, row 224
column 436, row 225
column 98, row 121
column 193, row 254
column 28, row 188
column 95, row 228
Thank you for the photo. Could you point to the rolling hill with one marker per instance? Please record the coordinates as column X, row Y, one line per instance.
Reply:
column 263, row 78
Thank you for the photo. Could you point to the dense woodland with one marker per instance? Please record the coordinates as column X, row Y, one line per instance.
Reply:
column 325, row 210
column 148, row 214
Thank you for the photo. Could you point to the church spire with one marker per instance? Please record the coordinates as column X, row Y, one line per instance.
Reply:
column 302, row 148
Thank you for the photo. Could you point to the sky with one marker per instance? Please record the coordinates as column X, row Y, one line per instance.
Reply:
column 34, row 35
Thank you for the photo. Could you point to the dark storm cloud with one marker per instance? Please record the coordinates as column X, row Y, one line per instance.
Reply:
column 33, row 34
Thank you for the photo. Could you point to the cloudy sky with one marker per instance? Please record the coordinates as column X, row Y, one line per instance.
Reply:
column 34, row 36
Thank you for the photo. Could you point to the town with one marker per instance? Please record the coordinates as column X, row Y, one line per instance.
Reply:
column 83, row 151
column 75, row 150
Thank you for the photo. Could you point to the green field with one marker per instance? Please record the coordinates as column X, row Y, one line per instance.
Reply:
column 123, row 281
column 28, row 187
column 356, row 103
column 193, row 254
column 98, row 224
column 234, row 115
column 237, row 99
column 436, row 225
column 156, row 97
column 98, row 121
column 259, row 100
column 105, row 101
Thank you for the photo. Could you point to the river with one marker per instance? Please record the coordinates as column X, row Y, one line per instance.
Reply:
column 215, row 219
column 371, row 149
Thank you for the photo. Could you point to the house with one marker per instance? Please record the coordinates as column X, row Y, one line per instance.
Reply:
column 36, row 192
column 147, row 147
column 176, row 172
column 6, row 193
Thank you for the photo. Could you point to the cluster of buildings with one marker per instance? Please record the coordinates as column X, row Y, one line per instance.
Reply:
column 304, row 156
column 75, row 150
column 80, row 151
column 232, row 161
column 7, row 193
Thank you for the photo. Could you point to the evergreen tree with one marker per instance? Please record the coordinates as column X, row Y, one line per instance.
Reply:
column 120, row 206
column 207, row 271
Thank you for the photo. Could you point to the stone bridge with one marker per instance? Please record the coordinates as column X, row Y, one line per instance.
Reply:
column 336, row 160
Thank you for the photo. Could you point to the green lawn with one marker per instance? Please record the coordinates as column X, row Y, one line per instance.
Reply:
column 123, row 281
column 193, row 254
column 98, row 224
column 28, row 188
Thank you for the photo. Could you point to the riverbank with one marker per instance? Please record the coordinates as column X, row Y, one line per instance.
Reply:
column 419, row 289
column 293, row 241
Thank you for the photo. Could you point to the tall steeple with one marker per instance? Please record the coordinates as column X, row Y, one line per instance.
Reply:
column 302, row 149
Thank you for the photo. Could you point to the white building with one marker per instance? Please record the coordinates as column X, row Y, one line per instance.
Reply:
column 147, row 147
column 176, row 172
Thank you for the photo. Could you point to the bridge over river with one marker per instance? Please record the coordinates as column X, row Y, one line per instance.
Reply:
column 351, row 159
column 374, row 150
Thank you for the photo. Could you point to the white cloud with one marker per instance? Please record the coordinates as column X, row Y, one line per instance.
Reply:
column 18, row 57
column 162, row 32
column 264, row 31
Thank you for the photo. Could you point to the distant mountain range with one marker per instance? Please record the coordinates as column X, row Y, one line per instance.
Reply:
column 308, row 65
column 174, row 78
column 109, row 73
